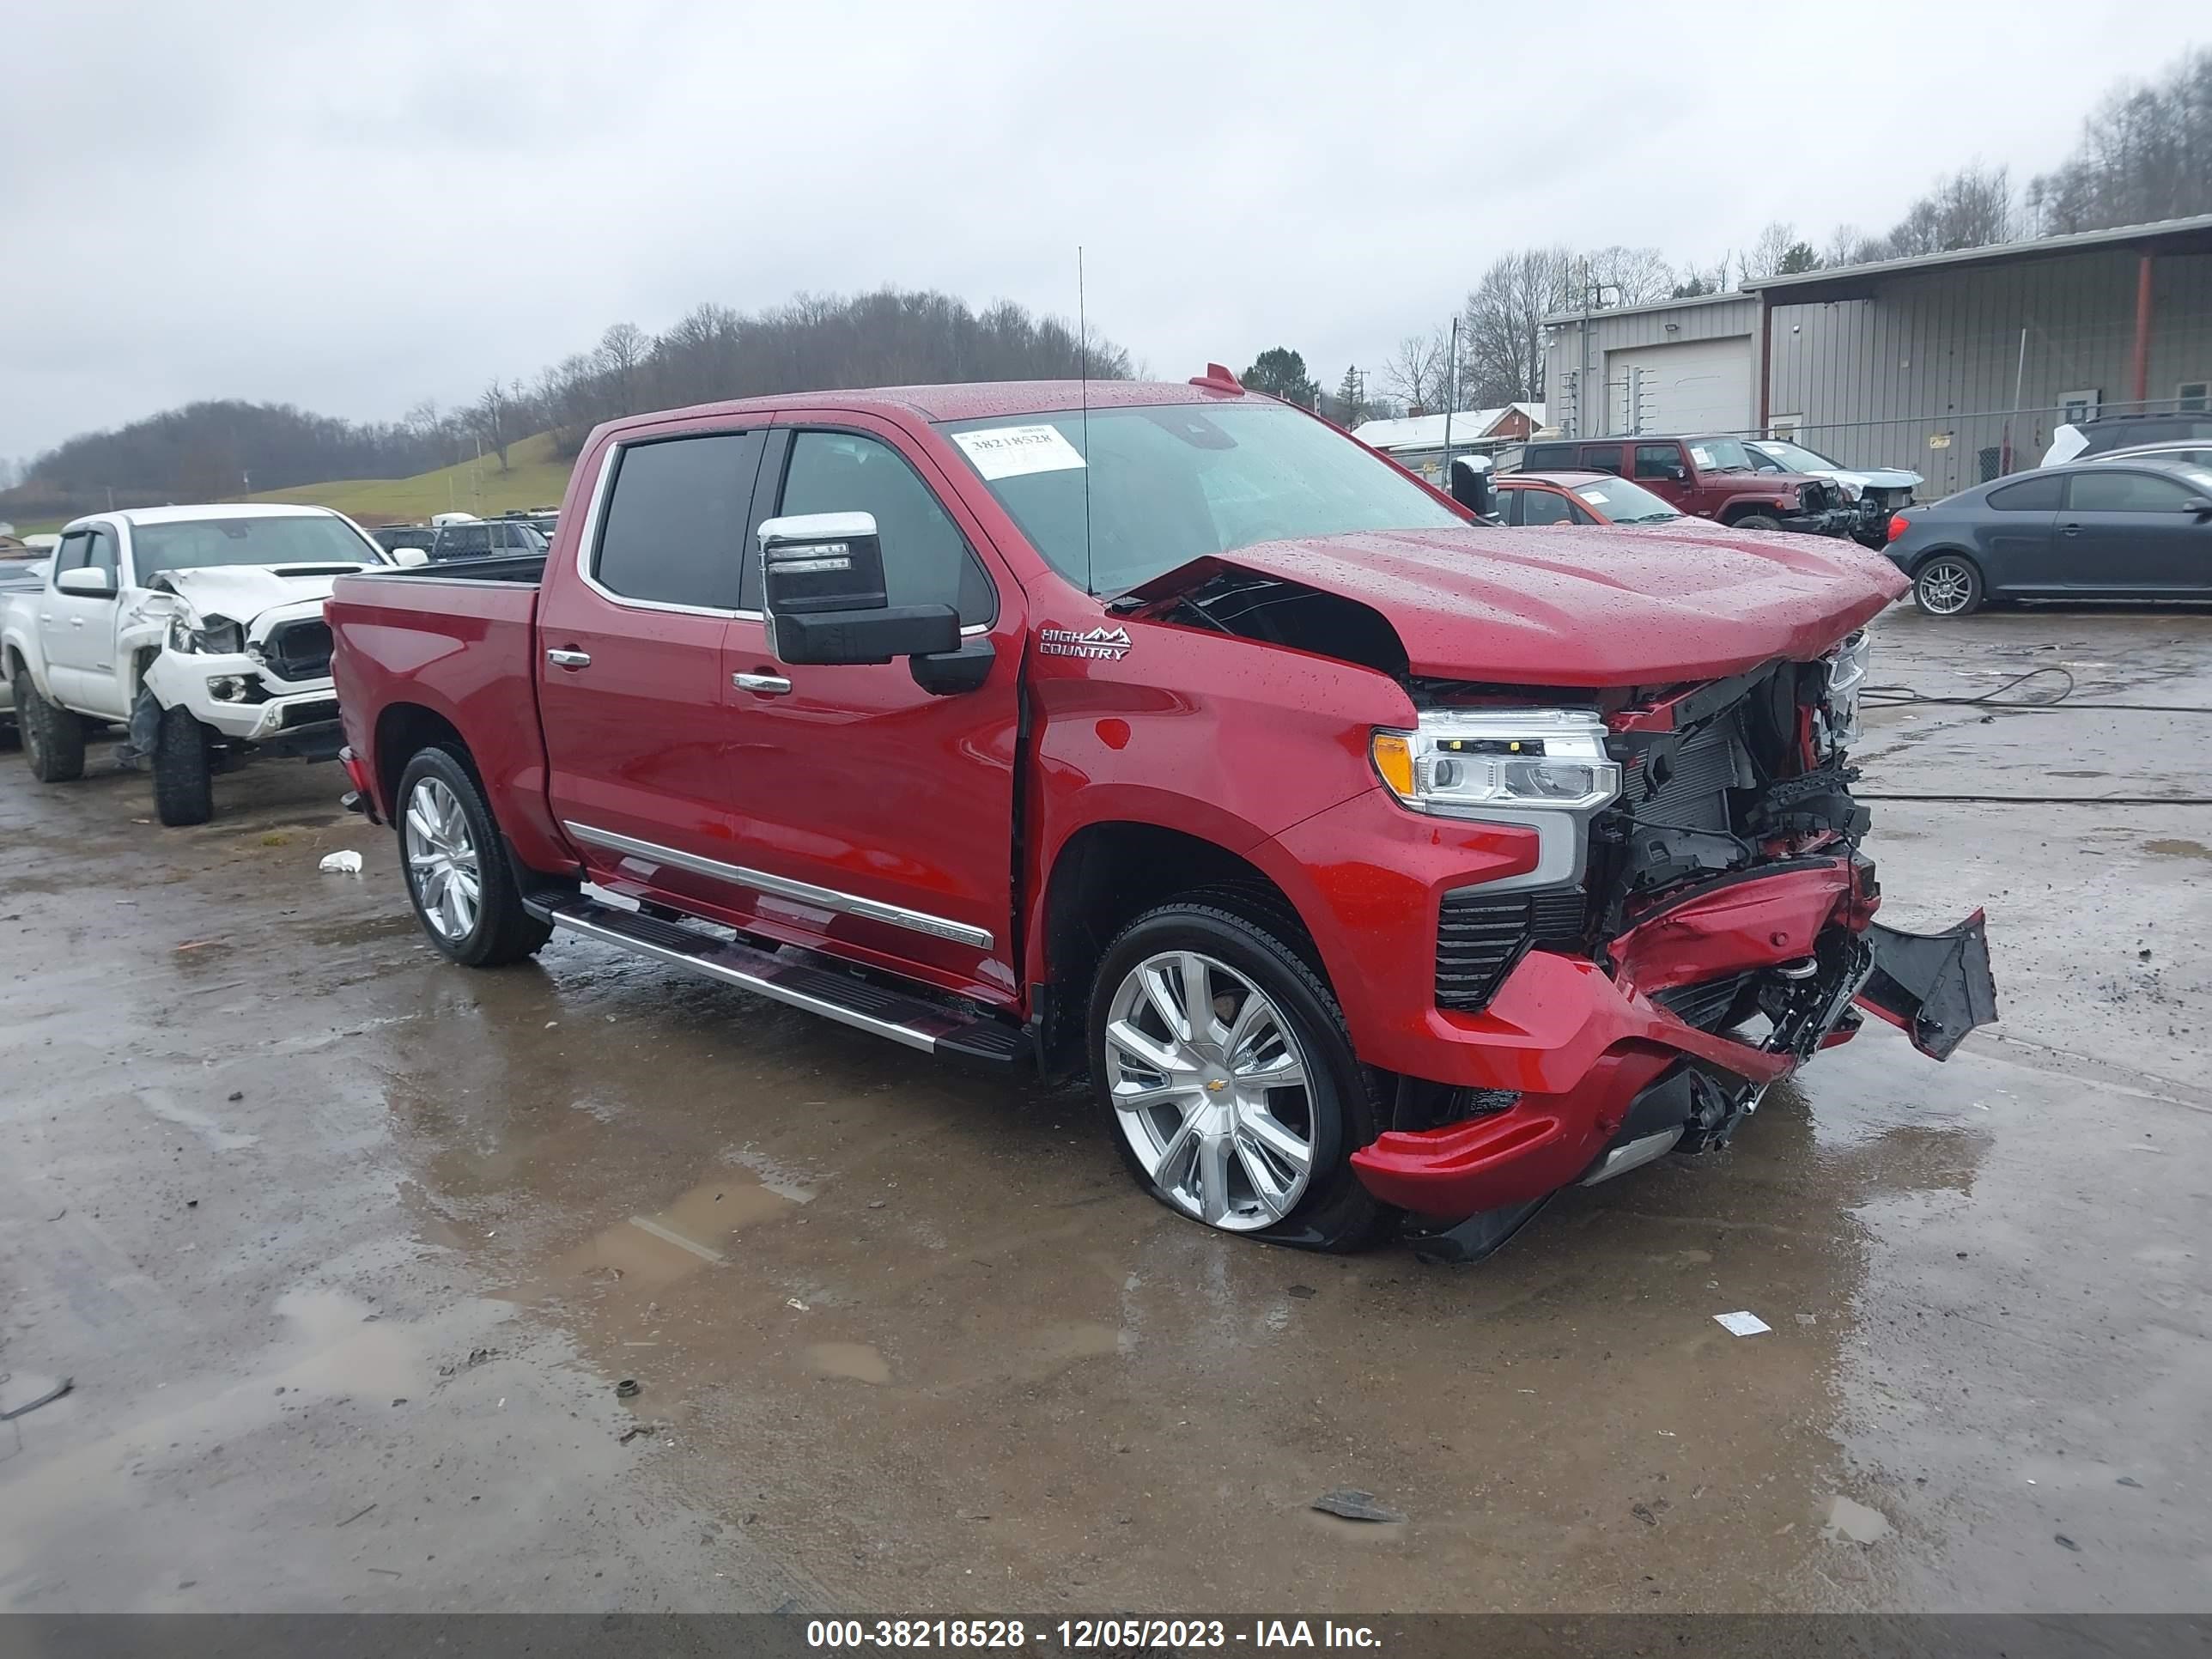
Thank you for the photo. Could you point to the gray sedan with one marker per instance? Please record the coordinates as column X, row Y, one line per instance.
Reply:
column 2099, row 530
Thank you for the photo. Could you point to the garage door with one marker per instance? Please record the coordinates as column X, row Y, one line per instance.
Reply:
column 1702, row 385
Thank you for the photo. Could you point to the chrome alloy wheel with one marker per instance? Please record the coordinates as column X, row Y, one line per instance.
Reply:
column 442, row 859
column 1210, row 1091
column 1945, row 587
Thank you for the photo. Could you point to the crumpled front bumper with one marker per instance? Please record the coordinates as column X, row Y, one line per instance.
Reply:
column 1610, row 1045
column 260, row 708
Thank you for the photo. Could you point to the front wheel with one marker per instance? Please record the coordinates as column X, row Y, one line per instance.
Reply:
column 1223, row 1063
column 1948, row 585
column 54, row 737
column 465, row 891
column 1756, row 521
column 184, row 769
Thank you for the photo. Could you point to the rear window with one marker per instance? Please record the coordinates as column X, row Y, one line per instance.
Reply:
column 2034, row 496
column 675, row 523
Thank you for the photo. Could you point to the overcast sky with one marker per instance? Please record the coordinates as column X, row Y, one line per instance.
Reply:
column 352, row 207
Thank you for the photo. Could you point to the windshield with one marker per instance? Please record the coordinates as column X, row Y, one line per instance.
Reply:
column 305, row 538
column 1720, row 455
column 1623, row 502
column 1796, row 457
column 1170, row 482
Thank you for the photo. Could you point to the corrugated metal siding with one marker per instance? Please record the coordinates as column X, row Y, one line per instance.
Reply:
column 1619, row 331
column 1933, row 356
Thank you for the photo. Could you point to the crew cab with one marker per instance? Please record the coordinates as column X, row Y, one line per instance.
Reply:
column 1382, row 870
column 201, row 627
column 1710, row 478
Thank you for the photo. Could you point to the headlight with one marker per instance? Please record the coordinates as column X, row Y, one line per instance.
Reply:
column 1851, row 491
column 1472, row 763
column 217, row 636
column 1847, row 672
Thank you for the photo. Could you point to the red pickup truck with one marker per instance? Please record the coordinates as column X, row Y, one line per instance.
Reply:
column 1384, row 870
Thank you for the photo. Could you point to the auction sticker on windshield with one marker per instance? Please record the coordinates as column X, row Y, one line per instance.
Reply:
column 1013, row 452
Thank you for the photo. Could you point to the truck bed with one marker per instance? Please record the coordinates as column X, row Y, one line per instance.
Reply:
column 452, row 645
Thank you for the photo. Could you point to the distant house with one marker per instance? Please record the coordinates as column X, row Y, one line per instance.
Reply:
column 1417, row 442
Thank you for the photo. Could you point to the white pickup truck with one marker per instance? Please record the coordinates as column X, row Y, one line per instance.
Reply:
column 201, row 628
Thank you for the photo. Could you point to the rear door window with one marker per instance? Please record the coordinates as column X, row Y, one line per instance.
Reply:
column 675, row 524
column 1601, row 457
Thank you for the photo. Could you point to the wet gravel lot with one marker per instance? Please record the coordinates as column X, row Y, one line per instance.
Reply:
column 346, row 1251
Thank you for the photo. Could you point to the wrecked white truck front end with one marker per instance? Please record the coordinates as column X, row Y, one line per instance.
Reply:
column 248, row 654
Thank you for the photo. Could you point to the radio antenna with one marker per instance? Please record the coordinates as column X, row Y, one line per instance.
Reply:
column 1083, row 381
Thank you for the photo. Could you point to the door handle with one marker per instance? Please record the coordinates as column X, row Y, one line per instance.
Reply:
column 768, row 685
column 569, row 659
column 2071, row 529
column 76, row 622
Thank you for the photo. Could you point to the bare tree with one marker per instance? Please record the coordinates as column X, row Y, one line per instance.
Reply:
column 623, row 349
column 1768, row 247
column 1849, row 246
column 1504, row 334
column 1972, row 208
column 2145, row 154
column 492, row 420
column 1638, row 275
column 1419, row 373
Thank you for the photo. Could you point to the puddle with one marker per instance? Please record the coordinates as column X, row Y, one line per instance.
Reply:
column 1856, row 1521
column 2179, row 849
column 692, row 1233
column 856, row 1361
column 160, row 1103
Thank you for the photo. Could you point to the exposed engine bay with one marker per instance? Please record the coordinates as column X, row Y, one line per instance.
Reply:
column 1709, row 864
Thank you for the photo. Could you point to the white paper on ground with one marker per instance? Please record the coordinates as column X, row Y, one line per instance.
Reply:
column 340, row 864
column 1013, row 452
column 1742, row 1324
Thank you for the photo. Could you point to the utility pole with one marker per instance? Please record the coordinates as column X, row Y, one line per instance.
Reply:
column 1451, row 400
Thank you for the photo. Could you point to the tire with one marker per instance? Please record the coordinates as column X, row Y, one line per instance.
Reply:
column 53, row 739
column 1200, row 1146
column 448, row 841
column 184, row 769
column 1947, row 584
column 1756, row 521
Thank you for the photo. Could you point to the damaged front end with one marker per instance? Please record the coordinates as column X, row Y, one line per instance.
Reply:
column 1723, row 901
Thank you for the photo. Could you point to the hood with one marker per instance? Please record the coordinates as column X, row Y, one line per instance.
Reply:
column 243, row 591
column 1881, row 477
column 1581, row 607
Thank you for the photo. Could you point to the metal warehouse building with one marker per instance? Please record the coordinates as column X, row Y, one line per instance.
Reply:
column 1957, row 366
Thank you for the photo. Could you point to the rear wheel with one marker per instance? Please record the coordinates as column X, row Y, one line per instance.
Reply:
column 463, row 890
column 184, row 769
column 54, row 737
column 1223, row 1063
column 1947, row 584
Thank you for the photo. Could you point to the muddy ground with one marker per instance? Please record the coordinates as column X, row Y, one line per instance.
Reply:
column 347, row 1250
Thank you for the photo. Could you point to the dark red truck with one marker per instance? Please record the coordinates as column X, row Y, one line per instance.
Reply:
column 1382, row 870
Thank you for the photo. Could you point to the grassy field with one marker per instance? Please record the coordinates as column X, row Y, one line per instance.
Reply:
column 535, row 476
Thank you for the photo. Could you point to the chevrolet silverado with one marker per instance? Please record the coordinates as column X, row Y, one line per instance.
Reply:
column 1383, row 870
